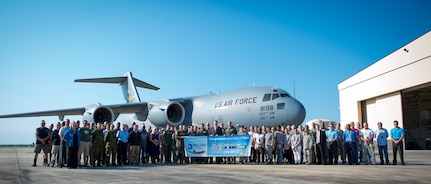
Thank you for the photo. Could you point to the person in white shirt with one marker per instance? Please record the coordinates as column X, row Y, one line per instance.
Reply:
column 367, row 136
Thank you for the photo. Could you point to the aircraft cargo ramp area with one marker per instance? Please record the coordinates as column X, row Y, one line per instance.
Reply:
column 15, row 167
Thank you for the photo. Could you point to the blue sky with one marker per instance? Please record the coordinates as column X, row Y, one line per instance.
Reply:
column 190, row 48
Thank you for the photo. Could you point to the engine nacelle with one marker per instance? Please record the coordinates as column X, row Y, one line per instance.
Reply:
column 98, row 113
column 172, row 113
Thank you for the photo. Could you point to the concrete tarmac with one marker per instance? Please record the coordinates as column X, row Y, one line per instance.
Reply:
column 15, row 167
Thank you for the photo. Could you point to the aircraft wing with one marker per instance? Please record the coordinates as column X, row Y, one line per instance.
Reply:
column 91, row 109
column 63, row 112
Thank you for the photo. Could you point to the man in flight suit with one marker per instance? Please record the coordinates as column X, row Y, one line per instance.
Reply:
column 111, row 146
column 97, row 146
column 179, row 144
column 167, row 144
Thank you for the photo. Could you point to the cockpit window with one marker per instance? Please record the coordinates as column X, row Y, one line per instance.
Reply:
column 275, row 95
column 285, row 95
column 267, row 97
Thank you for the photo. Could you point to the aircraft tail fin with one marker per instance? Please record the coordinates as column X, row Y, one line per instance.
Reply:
column 128, row 84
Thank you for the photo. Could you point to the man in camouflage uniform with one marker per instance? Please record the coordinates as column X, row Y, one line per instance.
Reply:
column 193, row 132
column 204, row 132
column 111, row 146
column 230, row 131
column 97, row 146
column 179, row 144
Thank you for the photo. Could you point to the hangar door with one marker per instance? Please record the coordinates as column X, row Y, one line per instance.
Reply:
column 385, row 109
column 417, row 117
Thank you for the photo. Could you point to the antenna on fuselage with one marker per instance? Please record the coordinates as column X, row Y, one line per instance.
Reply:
column 294, row 89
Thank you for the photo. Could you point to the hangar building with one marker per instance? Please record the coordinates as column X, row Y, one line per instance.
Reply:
column 397, row 87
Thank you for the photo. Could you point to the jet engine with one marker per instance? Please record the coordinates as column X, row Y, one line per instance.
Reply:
column 98, row 113
column 172, row 113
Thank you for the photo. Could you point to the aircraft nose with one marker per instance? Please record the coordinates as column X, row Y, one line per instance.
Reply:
column 295, row 112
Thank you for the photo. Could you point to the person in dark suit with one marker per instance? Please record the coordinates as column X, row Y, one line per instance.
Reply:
column 216, row 131
column 321, row 145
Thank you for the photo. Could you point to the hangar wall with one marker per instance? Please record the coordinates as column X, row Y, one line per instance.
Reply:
column 384, row 109
column 375, row 93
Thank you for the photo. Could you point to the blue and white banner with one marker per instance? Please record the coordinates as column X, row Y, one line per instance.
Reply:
column 217, row 146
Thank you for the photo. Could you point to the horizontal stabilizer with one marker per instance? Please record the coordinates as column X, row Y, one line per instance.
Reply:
column 127, row 82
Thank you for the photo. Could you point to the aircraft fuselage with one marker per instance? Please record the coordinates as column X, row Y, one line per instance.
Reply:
column 249, row 106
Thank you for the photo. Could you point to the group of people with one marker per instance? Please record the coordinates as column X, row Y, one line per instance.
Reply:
column 318, row 144
column 99, row 144
column 353, row 145
column 103, row 144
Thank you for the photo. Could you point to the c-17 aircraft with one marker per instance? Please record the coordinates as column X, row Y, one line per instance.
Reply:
column 246, row 106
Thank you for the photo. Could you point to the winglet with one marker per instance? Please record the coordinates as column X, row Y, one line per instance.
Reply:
column 128, row 84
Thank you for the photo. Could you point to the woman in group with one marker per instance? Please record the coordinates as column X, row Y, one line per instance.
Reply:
column 296, row 143
column 154, row 145
column 258, row 139
column 288, row 154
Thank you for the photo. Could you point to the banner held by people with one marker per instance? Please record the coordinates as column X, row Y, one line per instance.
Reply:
column 220, row 146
